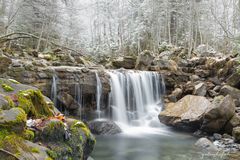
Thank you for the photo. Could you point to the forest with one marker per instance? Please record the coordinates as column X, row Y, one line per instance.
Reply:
column 119, row 79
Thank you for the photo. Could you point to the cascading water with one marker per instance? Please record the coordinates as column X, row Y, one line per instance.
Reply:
column 54, row 90
column 135, row 97
column 98, row 95
column 79, row 98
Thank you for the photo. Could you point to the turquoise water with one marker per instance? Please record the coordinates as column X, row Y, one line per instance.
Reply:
column 167, row 146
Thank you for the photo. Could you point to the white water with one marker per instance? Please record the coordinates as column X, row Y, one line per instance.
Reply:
column 135, row 99
column 98, row 95
column 78, row 98
column 54, row 90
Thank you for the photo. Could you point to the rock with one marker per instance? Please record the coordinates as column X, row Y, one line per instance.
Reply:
column 166, row 55
column 194, row 78
column 205, row 51
column 200, row 89
column 72, row 142
column 68, row 101
column 52, row 130
column 187, row 113
column 4, row 104
column 217, row 116
column 104, row 127
column 13, row 119
column 175, row 95
column 160, row 64
column 5, row 62
column 188, row 88
column 206, row 145
column 234, row 122
column 233, row 92
column 236, row 134
column 126, row 62
column 217, row 136
column 234, row 80
column 144, row 60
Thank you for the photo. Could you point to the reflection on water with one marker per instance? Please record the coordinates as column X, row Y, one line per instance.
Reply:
column 171, row 146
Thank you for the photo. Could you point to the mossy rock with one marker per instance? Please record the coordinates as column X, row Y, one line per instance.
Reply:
column 34, row 104
column 13, row 119
column 53, row 130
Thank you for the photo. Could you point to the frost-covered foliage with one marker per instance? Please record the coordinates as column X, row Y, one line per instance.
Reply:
column 123, row 26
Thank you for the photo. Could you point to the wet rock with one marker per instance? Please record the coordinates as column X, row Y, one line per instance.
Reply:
column 236, row 134
column 218, row 114
column 144, row 60
column 99, row 127
column 200, row 89
column 206, row 145
column 217, row 136
column 68, row 101
column 187, row 113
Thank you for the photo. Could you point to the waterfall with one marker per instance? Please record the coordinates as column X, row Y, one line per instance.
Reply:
column 98, row 95
column 135, row 97
column 54, row 90
column 79, row 98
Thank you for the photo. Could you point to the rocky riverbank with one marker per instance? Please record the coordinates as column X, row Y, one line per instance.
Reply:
column 202, row 95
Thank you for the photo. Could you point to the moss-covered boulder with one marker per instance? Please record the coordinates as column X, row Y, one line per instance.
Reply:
column 72, row 140
column 53, row 130
column 13, row 119
column 34, row 104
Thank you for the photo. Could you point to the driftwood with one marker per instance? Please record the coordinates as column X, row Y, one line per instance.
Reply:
column 9, row 153
column 22, row 35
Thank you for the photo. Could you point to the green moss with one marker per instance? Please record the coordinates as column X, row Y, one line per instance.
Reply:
column 12, row 143
column 18, row 123
column 48, row 158
column 14, row 81
column 22, row 117
column 28, row 135
column 10, row 101
column 34, row 104
column 52, row 154
column 82, row 126
column 7, row 88
column 35, row 150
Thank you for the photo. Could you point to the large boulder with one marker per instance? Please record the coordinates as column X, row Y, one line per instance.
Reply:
column 216, row 117
column 13, row 119
column 127, row 62
column 144, row 60
column 187, row 113
column 159, row 64
column 103, row 127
